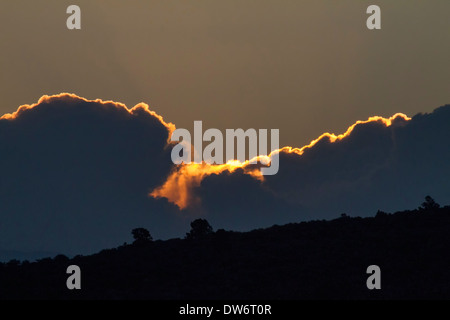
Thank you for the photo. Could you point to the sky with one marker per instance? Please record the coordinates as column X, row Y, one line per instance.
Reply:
column 73, row 162
column 304, row 67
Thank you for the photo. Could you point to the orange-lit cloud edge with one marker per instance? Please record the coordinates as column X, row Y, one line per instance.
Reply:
column 179, row 186
column 64, row 95
column 181, row 182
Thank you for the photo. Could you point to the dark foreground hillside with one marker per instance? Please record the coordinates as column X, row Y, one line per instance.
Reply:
column 310, row 260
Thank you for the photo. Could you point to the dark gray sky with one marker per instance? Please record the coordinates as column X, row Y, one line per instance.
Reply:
column 304, row 67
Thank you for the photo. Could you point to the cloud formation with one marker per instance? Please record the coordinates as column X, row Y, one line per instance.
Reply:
column 179, row 186
column 77, row 175
column 388, row 164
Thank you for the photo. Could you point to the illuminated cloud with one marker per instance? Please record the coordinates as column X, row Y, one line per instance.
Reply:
column 77, row 175
column 379, row 163
column 72, row 99
column 179, row 186
column 388, row 164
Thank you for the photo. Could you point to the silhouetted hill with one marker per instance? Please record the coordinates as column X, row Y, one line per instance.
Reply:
column 308, row 260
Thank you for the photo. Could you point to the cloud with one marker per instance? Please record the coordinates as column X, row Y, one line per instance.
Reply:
column 377, row 166
column 179, row 186
column 388, row 164
column 77, row 175
column 380, row 163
